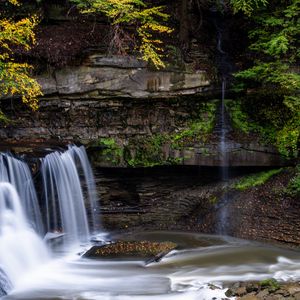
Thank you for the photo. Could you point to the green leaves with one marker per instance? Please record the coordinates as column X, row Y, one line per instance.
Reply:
column 277, row 46
column 247, row 6
column 275, row 43
column 275, row 73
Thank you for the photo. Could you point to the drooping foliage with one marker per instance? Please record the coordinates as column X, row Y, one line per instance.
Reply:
column 15, row 77
column 247, row 6
column 275, row 55
column 148, row 21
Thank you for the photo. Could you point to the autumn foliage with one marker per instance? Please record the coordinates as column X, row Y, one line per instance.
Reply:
column 15, row 77
column 147, row 21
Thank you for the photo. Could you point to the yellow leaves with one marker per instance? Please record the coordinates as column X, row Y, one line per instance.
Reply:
column 17, row 33
column 146, row 20
column 14, row 2
column 15, row 79
column 150, row 46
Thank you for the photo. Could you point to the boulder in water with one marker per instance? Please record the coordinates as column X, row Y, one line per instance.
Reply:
column 137, row 249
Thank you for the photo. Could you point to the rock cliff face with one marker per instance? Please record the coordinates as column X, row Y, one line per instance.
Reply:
column 264, row 213
column 138, row 116
column 189, row 198
column 109, row 77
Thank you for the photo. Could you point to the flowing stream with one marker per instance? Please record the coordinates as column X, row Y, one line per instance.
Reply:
column 185, row 273
column 29, row 269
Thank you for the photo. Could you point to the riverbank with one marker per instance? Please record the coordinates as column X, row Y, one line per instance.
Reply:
column 269, row 289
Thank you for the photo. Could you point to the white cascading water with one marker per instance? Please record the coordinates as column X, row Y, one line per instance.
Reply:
column 21, row 249
column 17, row 173
column 64, row 200
column 82, row 161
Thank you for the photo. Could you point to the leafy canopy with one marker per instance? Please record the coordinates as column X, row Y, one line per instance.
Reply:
column 15, row 77
column 275, row 52
column 247, row 6
column 148, row 22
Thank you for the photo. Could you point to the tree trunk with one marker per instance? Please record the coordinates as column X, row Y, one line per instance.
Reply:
column 184, row 25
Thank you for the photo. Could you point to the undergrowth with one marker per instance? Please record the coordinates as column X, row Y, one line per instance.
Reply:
column 255, row 179
column 273, row 124
column 293, row 187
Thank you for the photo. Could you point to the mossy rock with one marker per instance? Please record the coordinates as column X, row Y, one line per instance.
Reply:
column 272, row 284
column 137, row 249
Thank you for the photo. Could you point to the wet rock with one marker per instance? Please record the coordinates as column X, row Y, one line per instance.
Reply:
column 236, row 290
column 213, row 287
column 240, row 291
column 251, row 296
column 140, row 249
column 282, row 292
column 237, row 285
column 268, row 289
column 293, row 289
column 262, row 294
column 229, row 293
column 252, row 287
column 275, row 297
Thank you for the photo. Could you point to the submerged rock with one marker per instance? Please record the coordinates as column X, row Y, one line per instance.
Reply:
column 54, row 238
column 140, row 249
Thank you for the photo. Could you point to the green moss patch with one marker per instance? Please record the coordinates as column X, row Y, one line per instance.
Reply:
column 272, row 284
column 255, row 180
column 111, row 151
column 149, row 150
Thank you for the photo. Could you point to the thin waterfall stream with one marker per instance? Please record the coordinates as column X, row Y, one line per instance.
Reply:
column 224, row 169
column 223, row 124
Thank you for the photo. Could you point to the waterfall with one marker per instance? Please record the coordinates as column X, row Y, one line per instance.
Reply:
column 225, row 69
column 21, row 249
column 224, row 162
column 80, row 155
column 69, row 194
column 223, row 136
column 17, row 173
column 65, row 205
